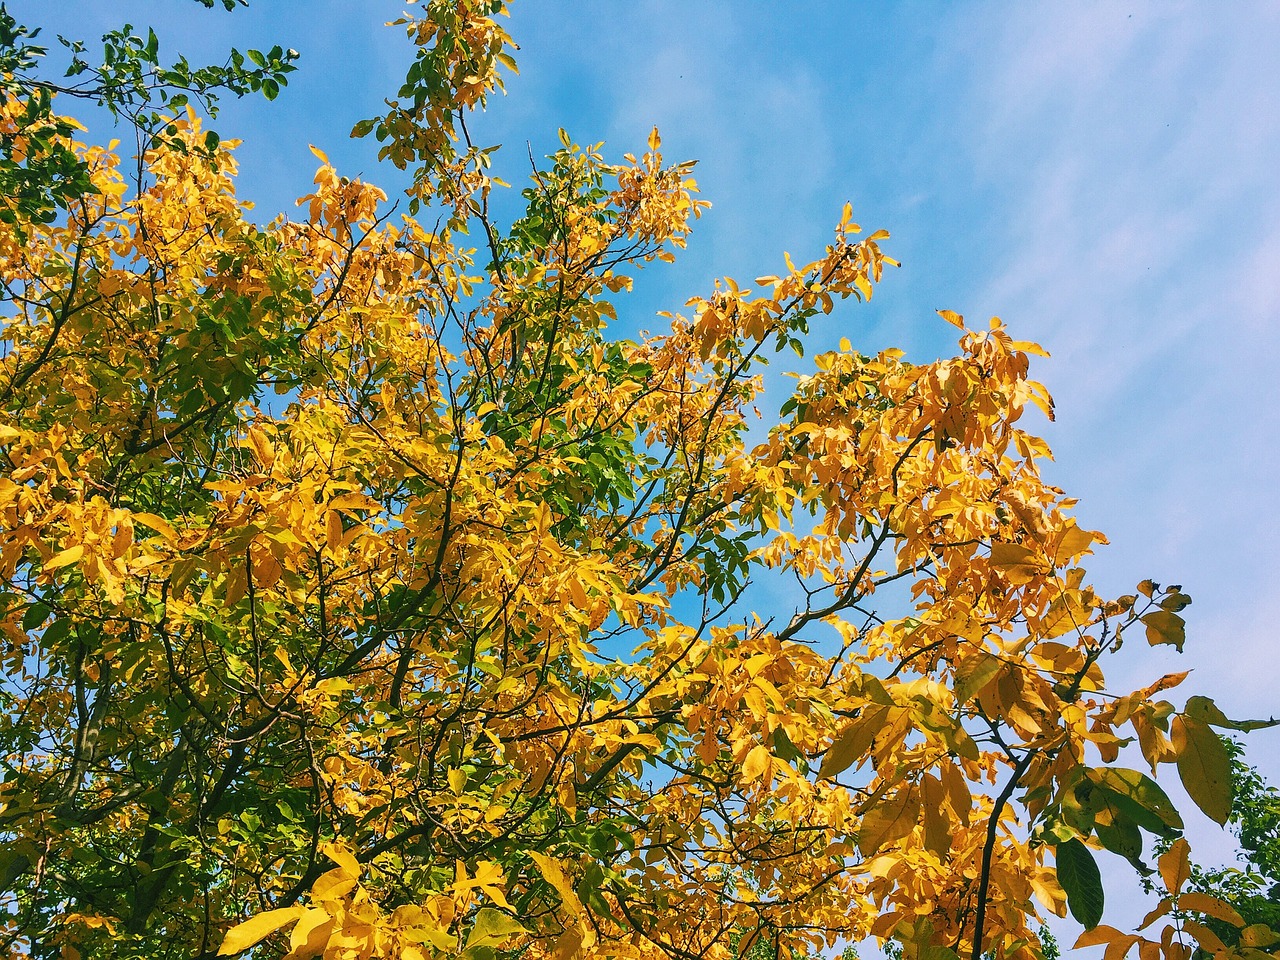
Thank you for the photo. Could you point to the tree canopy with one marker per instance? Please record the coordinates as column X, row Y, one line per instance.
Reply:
column 369, row 589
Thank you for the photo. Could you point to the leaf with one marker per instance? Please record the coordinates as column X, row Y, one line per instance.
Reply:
column 888, row 820
column 1099, row 934
column 1072, row 544
column 244, row 935
column 1019, row 564
column 569, row 944
column 853, row 742
column 492, row 928
column 1258, row 935
column 1210, row 906
column 333, row 885
column 1079, row 876
column 756, row 763
column 972, row 682
column 957, row 787
column 1204, row 766
column 554, row 874
column 1160, row 910
column 1165, row 626
column 65, row 557
column 340, row 855
column 1207, row 939
column 1175, row 865
column 159, row 524
column 310, row 935
column 1122, row 837
column 1139, row 795
column 1206, row 711
column 937, row 824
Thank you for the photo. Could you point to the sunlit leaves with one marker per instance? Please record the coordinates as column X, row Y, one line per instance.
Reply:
column 360, row 580
column 244, row 935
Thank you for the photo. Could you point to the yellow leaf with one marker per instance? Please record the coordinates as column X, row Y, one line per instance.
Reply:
column 1164, row 626
column 756, row 764
column 457, row 781
column 853, row 741
column 491, row 928
column 427, row 932
column 262, row 446
column 1072, row 544
column 320, row 154
column 158, row 524
column 977, row 673
column 310, row 936
column 888, row 820
column 1258, row 935
column 245, row 935
column 1049, row 892
column 1207, row 939
column 937, row 825
column 958, row 794
column 1204, row 767
column 65, row 557
column 1175, row 865
column 1211, row 907
column 1099, row 934
column 1162, row 908
column 569, row 944
column 342, row 857
column 333, row 531
column 1117, row 948
column 1019, row 564
column 333, row 885
column 554, row 874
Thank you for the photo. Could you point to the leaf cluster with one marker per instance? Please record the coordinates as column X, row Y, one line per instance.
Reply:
column 367, row 590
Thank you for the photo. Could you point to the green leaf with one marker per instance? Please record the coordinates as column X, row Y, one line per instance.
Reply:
column 1080, row 879
column 1140, row 790
column 1123, row 837
column 783, row 748
column 491, row 928
column 35, row 615
column 1204, row 766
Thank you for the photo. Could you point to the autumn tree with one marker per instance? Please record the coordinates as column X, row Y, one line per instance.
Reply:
column 369, row 591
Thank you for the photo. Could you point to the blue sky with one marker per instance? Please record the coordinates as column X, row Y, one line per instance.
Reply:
column 1104, row 176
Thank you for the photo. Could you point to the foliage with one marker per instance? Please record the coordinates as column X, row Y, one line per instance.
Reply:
column 1249, row 896
column 40, row 173
column 365, row 594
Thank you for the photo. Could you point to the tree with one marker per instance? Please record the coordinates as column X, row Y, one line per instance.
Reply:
column 1241, row 907
column 40, row 172
column 366, row 593
column 1255, row 819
